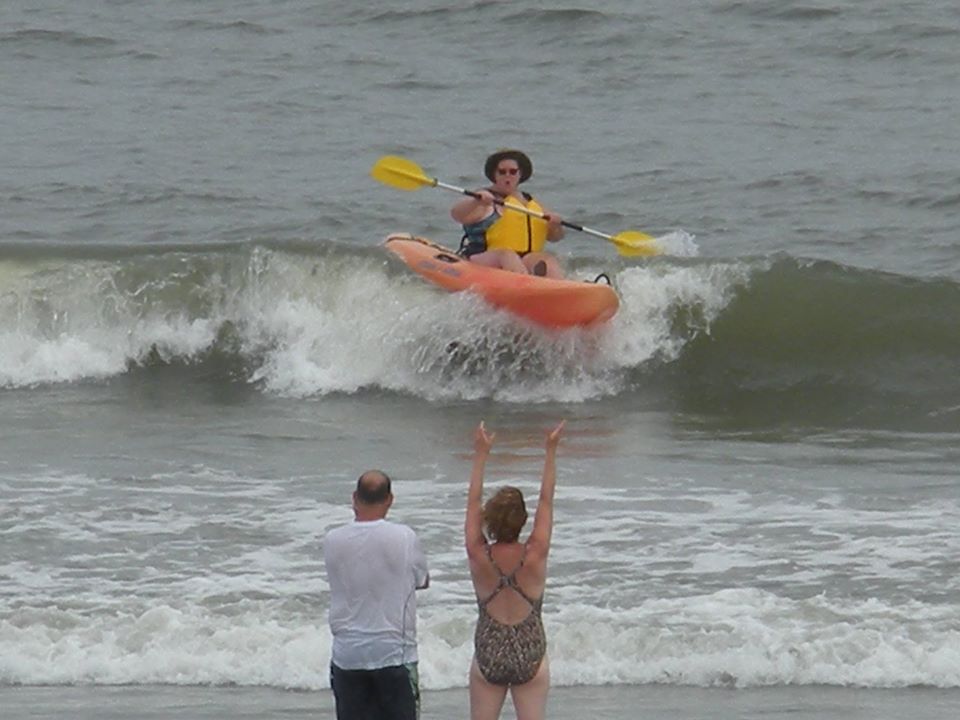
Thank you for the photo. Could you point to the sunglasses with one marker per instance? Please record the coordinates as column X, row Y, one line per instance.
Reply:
column 507, row 171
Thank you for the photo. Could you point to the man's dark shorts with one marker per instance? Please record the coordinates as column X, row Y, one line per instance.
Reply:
column 390, row 693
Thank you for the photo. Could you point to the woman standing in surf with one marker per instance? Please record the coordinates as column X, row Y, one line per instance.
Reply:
column 509, row 578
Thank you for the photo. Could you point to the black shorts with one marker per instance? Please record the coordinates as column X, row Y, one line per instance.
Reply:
column 390, row 693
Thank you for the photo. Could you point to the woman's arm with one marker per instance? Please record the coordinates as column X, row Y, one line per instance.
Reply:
column 473, row 523
column 543, row 521
column 471, row 210
column 555, row 229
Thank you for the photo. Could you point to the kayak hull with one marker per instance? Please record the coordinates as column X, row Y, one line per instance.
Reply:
column 545, row 301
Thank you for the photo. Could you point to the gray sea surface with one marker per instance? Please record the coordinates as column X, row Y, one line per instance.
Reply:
column 203, row 343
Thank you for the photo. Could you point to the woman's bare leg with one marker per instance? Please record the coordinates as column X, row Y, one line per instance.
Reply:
column 553, row 265
column 530, row 699
column 486, row 699
column 503, row 259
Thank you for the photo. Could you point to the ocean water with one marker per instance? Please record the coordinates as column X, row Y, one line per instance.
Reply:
column 202, row 342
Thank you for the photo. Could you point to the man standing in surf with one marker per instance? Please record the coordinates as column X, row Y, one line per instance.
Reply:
column 374, row 568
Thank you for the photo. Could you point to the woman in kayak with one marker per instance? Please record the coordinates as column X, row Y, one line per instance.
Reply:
column 496, row 236
column 509, row 576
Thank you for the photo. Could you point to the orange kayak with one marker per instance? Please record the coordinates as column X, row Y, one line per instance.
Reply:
column 545, row 301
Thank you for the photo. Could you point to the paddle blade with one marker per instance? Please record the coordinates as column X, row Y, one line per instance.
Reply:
column 632, row 243
column 400, row 173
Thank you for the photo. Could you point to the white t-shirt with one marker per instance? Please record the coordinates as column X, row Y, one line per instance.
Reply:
column 373, row 569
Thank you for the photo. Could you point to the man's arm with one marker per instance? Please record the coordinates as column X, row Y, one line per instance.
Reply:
column 421, row 574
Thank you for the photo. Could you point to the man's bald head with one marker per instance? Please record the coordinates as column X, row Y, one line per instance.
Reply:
column 373, row 488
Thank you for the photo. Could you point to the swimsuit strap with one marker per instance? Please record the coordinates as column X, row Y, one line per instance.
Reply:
column 503, row 576
column 507, row 580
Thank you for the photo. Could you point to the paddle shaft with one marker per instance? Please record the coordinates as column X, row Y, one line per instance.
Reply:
column 518, row 208
column 405, row 174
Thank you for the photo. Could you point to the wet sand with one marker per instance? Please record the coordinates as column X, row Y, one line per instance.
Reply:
column 566, row 703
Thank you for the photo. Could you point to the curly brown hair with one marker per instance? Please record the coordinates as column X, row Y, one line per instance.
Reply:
column 505, row 514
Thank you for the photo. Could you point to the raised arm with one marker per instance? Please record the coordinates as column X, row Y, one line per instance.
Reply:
column 539, row 540
column 473, row 523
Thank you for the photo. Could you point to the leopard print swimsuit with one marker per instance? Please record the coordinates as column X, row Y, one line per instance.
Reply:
column 509, row 654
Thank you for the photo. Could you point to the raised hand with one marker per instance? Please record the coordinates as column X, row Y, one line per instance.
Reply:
column 553, row 437
column 482, row 440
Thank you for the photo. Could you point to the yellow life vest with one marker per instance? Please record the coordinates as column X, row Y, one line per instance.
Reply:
column 516, row 230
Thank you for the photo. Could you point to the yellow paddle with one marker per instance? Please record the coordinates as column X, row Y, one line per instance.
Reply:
column 405, row 174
